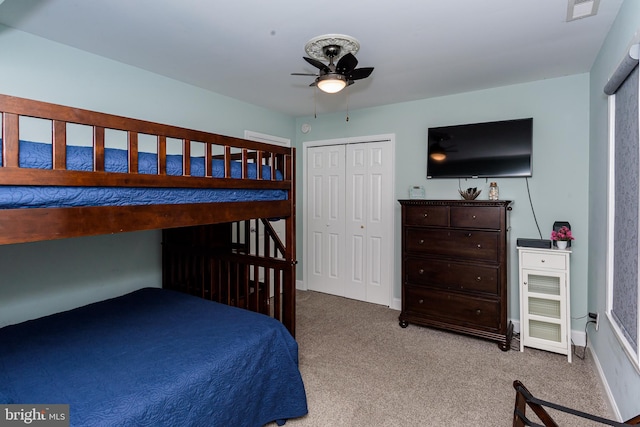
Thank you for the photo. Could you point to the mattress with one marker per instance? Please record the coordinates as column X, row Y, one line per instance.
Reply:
column 39, row 156
column 155, row 357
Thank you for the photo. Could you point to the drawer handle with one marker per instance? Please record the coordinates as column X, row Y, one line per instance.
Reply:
column 426, row 215
column 541, row 260
column 478, row 279
column 468, row 234
column 421, row 271
column 421, row 241
column 474, row 217
column 421, row 301
column 479, row 246
column 478, row 312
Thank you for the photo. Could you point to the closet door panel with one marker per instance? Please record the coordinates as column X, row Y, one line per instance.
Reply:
column 326, row 183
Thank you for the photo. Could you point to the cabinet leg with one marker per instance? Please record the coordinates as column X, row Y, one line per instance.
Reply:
column 506, row 345
column 403, row 323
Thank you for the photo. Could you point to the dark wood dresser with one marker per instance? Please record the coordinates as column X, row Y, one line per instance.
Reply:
column 454, row 267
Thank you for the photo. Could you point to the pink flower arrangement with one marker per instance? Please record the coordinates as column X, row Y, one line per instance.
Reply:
column 563, row 234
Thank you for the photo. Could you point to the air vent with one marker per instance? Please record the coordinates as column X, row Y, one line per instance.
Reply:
column 578, row 9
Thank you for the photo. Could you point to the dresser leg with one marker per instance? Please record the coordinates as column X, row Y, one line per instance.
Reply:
column 403, row 323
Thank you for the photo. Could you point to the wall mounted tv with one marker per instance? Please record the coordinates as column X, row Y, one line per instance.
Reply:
column 491, row 150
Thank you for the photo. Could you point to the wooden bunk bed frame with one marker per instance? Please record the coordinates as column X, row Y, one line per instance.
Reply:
column 36, row 224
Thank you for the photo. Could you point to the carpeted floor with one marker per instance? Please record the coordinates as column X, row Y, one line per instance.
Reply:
column 361, row 369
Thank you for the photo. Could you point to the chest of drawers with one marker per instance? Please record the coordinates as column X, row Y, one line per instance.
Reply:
column 454, row 267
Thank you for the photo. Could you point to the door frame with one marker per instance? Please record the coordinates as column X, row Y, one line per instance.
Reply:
column 391, row 139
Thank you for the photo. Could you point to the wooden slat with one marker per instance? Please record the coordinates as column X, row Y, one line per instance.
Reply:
column 272, row 164
column 162, row 155
column 132, row 149
column 208, row 160
column 10, row 140
column 227, row 161
column 59, row 145
column 186, row 157
column 244, row 161
column 259, row 160
column 98, row 149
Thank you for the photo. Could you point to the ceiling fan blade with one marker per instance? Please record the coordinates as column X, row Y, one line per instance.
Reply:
column 346, row 64
column 360, row 73
column 317, row 64
column 304, row 74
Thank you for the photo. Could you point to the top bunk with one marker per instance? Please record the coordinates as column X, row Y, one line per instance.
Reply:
column 68, row 172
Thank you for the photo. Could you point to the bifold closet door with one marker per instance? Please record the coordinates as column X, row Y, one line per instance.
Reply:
column 325, row 221
column 350, row 220
column 368, row 216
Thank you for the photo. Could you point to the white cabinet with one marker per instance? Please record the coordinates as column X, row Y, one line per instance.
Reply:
column 545, row 316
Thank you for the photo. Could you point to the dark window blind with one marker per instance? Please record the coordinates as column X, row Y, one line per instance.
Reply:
column 624, row 304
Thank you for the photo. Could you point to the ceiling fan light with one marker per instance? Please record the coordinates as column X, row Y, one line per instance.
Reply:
column 331, row 83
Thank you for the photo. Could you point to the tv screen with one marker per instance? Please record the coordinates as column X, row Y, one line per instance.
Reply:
column 491, row 149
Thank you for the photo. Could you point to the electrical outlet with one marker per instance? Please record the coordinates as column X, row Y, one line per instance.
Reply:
column 595, row 318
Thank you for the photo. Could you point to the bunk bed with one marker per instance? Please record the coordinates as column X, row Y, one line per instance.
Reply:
column 209, row 194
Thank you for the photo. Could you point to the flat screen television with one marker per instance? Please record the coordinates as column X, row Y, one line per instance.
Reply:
column 490, row 149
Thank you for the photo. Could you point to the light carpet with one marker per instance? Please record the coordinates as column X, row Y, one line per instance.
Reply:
column 360, row 368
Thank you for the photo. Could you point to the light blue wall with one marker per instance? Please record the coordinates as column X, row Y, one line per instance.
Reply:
column 46, row 277
column 622, row 379
column 559, row 186
column 569, row 181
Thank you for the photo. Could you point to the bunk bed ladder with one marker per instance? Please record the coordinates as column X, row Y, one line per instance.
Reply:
column 243, row 264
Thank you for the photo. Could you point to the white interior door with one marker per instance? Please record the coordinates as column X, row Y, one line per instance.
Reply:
column 349, row 235
column 325, row 222
column 368, row 219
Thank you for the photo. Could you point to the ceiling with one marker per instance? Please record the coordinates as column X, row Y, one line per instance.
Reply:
column 247, row 49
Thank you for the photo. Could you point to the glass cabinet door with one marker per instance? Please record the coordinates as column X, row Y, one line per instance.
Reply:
column 544, row 304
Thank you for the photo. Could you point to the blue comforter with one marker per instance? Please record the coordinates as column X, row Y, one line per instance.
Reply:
column 39, row 156
column 156, row 358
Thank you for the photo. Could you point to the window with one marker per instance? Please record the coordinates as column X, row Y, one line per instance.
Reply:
column 623, row 290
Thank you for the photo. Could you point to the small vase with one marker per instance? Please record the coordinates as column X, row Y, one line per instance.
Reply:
column 562, row 244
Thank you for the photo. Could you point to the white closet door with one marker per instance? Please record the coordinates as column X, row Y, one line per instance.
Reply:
column 368, row 222
column 326, row 210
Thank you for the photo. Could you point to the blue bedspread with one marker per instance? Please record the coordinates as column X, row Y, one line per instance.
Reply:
column 155, row 358
column 39, row 156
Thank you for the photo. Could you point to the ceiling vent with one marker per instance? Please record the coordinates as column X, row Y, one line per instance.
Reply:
column 578, row 9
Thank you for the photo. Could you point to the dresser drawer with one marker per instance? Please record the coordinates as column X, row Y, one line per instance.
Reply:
column 452, row 308
column 479, row 245
column 427, row 215
column 480, row 217
column 543, row 260
column 452, row 275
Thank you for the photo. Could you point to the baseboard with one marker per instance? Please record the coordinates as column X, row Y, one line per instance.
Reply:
column 605, row 386
column 300, row 285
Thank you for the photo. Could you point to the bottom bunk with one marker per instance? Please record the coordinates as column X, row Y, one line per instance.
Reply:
column 243, row 264
column 155, row 357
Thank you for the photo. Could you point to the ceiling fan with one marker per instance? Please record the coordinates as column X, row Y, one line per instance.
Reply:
column 333, row 77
